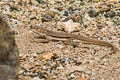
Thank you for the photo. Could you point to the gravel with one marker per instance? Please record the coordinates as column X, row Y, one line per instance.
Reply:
column 68, row 63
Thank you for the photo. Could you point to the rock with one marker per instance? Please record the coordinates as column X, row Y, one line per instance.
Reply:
column 36, row 78
column 34, row 2
column 95, row 1
column 46, row 18
column 92, row 13
column 66, row 13
column 26, row 1
column 69, row 26
column 39, row 51
column 39, row 1
column 51, row 2
column 109, row 14
column 8, row 53
column 117, row 22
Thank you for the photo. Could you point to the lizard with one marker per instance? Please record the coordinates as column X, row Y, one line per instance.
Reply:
column 39, row 29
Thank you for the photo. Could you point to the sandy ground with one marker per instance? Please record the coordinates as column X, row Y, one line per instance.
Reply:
column 67, row 62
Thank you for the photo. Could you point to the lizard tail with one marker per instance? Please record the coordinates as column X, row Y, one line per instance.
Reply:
column 98, row 42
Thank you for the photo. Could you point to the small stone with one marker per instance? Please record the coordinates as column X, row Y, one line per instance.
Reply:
column 75, row 17
column 14, row 32
column 104, row 61
column 51, row 2
column 118, row 13
column 26, row 66
column 92, row 13
column 59, row 46
column 14, row 8
column 14, row 15
column 39, row 1
column 72, row 75
column 117, row 22
column 39, row 51
column 26, row 1
column 58, row 52
column 65, row 60
column 88, row 72
column 46, row 18
column 36, row 78
column 85, row 25
column 33, row 22
column 34, row 2
column 66, row 13
column 95, row 1
column 32, row 18
column 100, row 26
column 109, row 14
column 74, row 45
column 69, row 26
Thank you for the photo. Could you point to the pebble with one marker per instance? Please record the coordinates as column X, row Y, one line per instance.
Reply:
column 69, row 26
column 66, row 13
column 46, row 18
column 65, row 61
column 29, row 13
column 39, row 1
column 104, row 61
column 95, row 1
column 85, row 25
column 92, row 13
column 110, row 14
column 88, row 72
column 117, row 22
column 35, row 78
column 72, row 75
column 39, row 51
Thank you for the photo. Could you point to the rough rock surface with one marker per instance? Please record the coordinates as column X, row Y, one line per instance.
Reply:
column 8, row 53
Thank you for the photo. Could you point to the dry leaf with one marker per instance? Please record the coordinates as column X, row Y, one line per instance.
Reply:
column 45, row 56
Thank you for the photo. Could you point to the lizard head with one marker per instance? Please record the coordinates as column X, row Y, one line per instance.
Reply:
column 39, row 29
